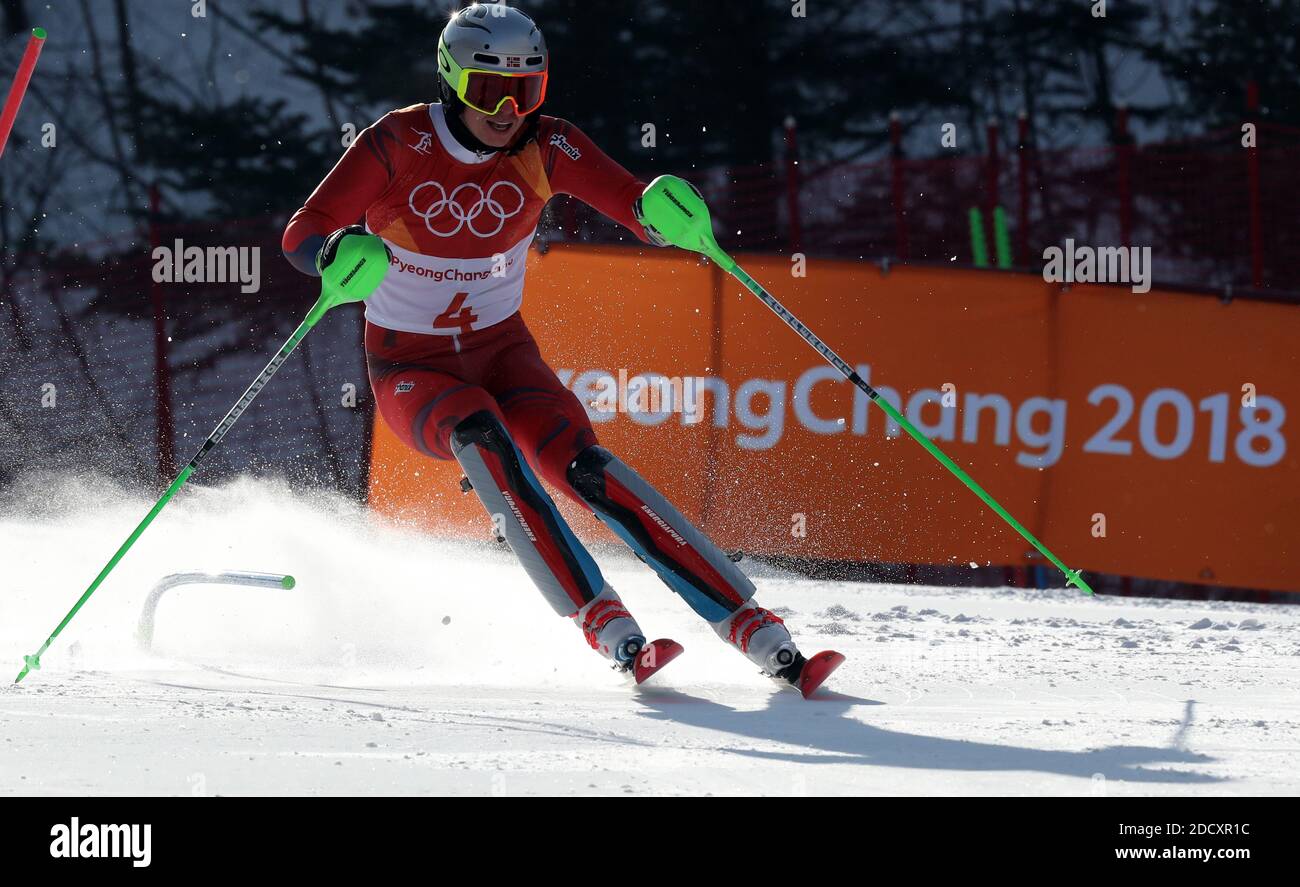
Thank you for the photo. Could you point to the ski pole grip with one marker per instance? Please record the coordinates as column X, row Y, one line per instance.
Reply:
column 359, row 267
column 676, row 209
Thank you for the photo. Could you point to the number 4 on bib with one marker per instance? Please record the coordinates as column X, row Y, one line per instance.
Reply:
column 456, row 316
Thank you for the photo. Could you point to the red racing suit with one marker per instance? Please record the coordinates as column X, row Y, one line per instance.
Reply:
column 444, row 324
column 456, row 373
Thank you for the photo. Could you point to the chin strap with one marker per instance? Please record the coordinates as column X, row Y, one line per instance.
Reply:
column 460, row 132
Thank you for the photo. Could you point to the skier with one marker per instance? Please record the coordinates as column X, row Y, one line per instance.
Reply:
column 455, row 189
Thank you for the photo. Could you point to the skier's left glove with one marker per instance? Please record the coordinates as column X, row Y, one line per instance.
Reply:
column 651, row 234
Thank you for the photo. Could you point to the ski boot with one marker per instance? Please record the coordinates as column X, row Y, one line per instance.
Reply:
column 762, row 636
column 806, row 675
column 611, row 631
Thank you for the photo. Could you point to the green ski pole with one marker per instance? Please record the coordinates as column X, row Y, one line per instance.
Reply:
column 979, row 250
column 359, row 267
column 1001, row 238
column 674, row 208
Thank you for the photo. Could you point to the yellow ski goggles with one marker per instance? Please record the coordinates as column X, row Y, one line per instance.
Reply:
column 488, row 91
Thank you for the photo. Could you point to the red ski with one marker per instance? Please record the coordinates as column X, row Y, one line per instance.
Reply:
column 655, row 656
column 816, row 670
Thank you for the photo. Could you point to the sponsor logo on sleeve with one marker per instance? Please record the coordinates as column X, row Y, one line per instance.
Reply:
column 559, row 141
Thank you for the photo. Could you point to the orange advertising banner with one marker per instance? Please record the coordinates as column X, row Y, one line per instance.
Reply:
column 1140, row 434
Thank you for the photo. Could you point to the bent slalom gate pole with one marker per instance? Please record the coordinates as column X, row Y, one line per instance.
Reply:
column 19, row 88
column 359, row 267
column 677, row 211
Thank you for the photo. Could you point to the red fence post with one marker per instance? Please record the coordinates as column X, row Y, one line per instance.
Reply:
column 991, row 186
column 792, row 185
column 162, row 367
column 1022, row 174
column 1123, row 157
column 1252, row 176
column 569, row 225
column 899, row 194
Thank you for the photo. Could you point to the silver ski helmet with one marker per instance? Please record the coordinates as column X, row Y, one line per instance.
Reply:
column 490, row 54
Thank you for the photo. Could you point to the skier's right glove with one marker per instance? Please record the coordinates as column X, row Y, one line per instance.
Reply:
column 330, row 248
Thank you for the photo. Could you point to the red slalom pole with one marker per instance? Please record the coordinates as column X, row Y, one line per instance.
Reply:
column 19, row 89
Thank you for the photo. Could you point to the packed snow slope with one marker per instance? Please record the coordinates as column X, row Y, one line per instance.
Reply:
column 403, row 665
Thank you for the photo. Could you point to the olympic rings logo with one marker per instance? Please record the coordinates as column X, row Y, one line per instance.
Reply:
column 450, row 207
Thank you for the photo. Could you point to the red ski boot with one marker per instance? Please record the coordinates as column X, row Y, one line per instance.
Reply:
column 806, row 675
